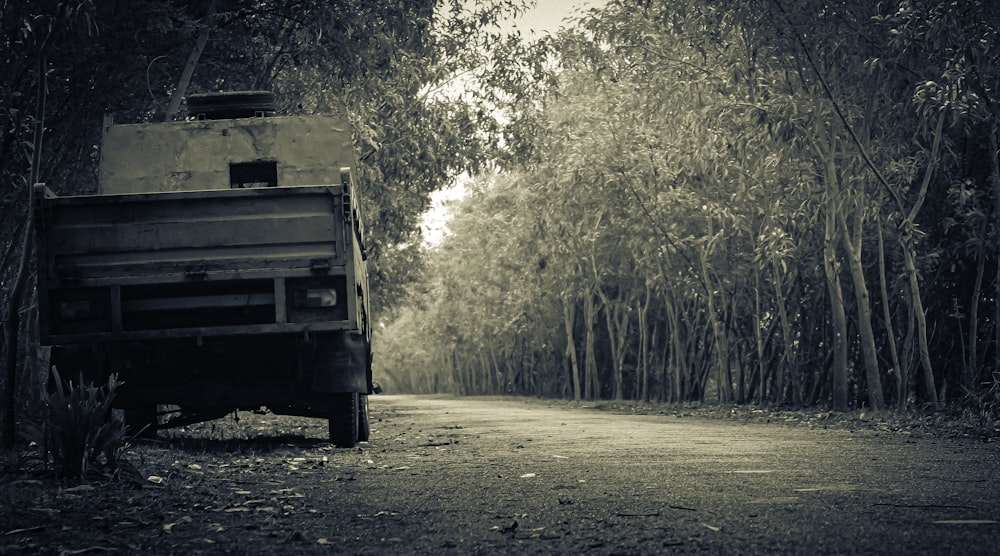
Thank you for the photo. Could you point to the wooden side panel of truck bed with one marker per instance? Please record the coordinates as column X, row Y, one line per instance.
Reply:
column 150, row 237
column 119, row 267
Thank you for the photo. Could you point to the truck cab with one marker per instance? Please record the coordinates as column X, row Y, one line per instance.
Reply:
column 221, row 266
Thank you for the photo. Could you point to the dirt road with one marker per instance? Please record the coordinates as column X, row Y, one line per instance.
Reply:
column 500, row 476
column 496, row 476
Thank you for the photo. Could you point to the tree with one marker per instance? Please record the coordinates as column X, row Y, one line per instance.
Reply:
column 718, row 188
column 952, row 52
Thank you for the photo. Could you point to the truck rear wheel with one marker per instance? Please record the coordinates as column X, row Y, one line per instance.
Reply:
column 141, row 421
column 343, row 416
column 364, row 426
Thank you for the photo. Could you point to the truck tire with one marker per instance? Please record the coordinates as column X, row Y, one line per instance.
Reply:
column 230, row 105
column 141, row 422
column 343, row 411
column 364, row 425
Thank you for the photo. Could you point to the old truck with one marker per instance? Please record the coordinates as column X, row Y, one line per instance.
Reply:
column 221, row 266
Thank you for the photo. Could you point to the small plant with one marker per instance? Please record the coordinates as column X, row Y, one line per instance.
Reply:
column 78, row 430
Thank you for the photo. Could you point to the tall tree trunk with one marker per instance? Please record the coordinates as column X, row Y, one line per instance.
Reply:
column 825, row 147
column 658, row 365
column 897, row 369
column 644, row 341
column 609, row 317
column 591, row 381
column 908, row 244
column 569, row 316
column 675, row 350
column 971, row 370
column 831, row 267
column 787, row 337
column 876, row 400
column 616, row 320
column 758, row 338
column 720, row 341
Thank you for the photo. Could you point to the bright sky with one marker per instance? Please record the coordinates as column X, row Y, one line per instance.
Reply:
column 547, row 16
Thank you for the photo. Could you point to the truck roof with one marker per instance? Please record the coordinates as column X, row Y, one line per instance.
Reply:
column 223, row 154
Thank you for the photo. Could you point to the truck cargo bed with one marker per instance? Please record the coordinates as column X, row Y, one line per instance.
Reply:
column 195, row 262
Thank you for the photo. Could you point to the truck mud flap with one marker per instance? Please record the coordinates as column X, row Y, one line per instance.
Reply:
column 340, row 363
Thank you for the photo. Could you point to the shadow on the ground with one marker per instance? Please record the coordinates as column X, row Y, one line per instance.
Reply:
column 254, row 444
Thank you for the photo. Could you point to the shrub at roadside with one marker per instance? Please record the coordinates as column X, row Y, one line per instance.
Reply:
column 78, row 432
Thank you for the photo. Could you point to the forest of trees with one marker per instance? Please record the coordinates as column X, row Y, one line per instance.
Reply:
column 755, row 201
column 759, row 201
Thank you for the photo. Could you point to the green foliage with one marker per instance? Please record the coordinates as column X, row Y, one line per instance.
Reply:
column 703, row 173
column 78, row 432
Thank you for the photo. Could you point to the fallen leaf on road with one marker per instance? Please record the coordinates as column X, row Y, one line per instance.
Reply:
column 88, row 550
column 26, row 530
column 81, row 488
column 167, row 527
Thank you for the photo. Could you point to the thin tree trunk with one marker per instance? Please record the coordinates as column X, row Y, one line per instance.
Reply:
column 761, row 394
column 590, row 379
column 971, row 368
column 837, row 314
column 192, row 62
column 616, row 372
column 616, row 321
column 789, row 351
column 657, row 364
column 897, row 369
column 876, row 400
column 569, row 316
column 674, row 350
column 720, row 342
column 825, row 148
column 907, row 243
column 643, row 393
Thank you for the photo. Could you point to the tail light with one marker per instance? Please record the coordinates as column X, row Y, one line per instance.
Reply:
column 80, row 310
column 313, row 298
column 317, row 299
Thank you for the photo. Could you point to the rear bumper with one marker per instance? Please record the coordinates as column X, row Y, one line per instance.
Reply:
column 226, row 373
